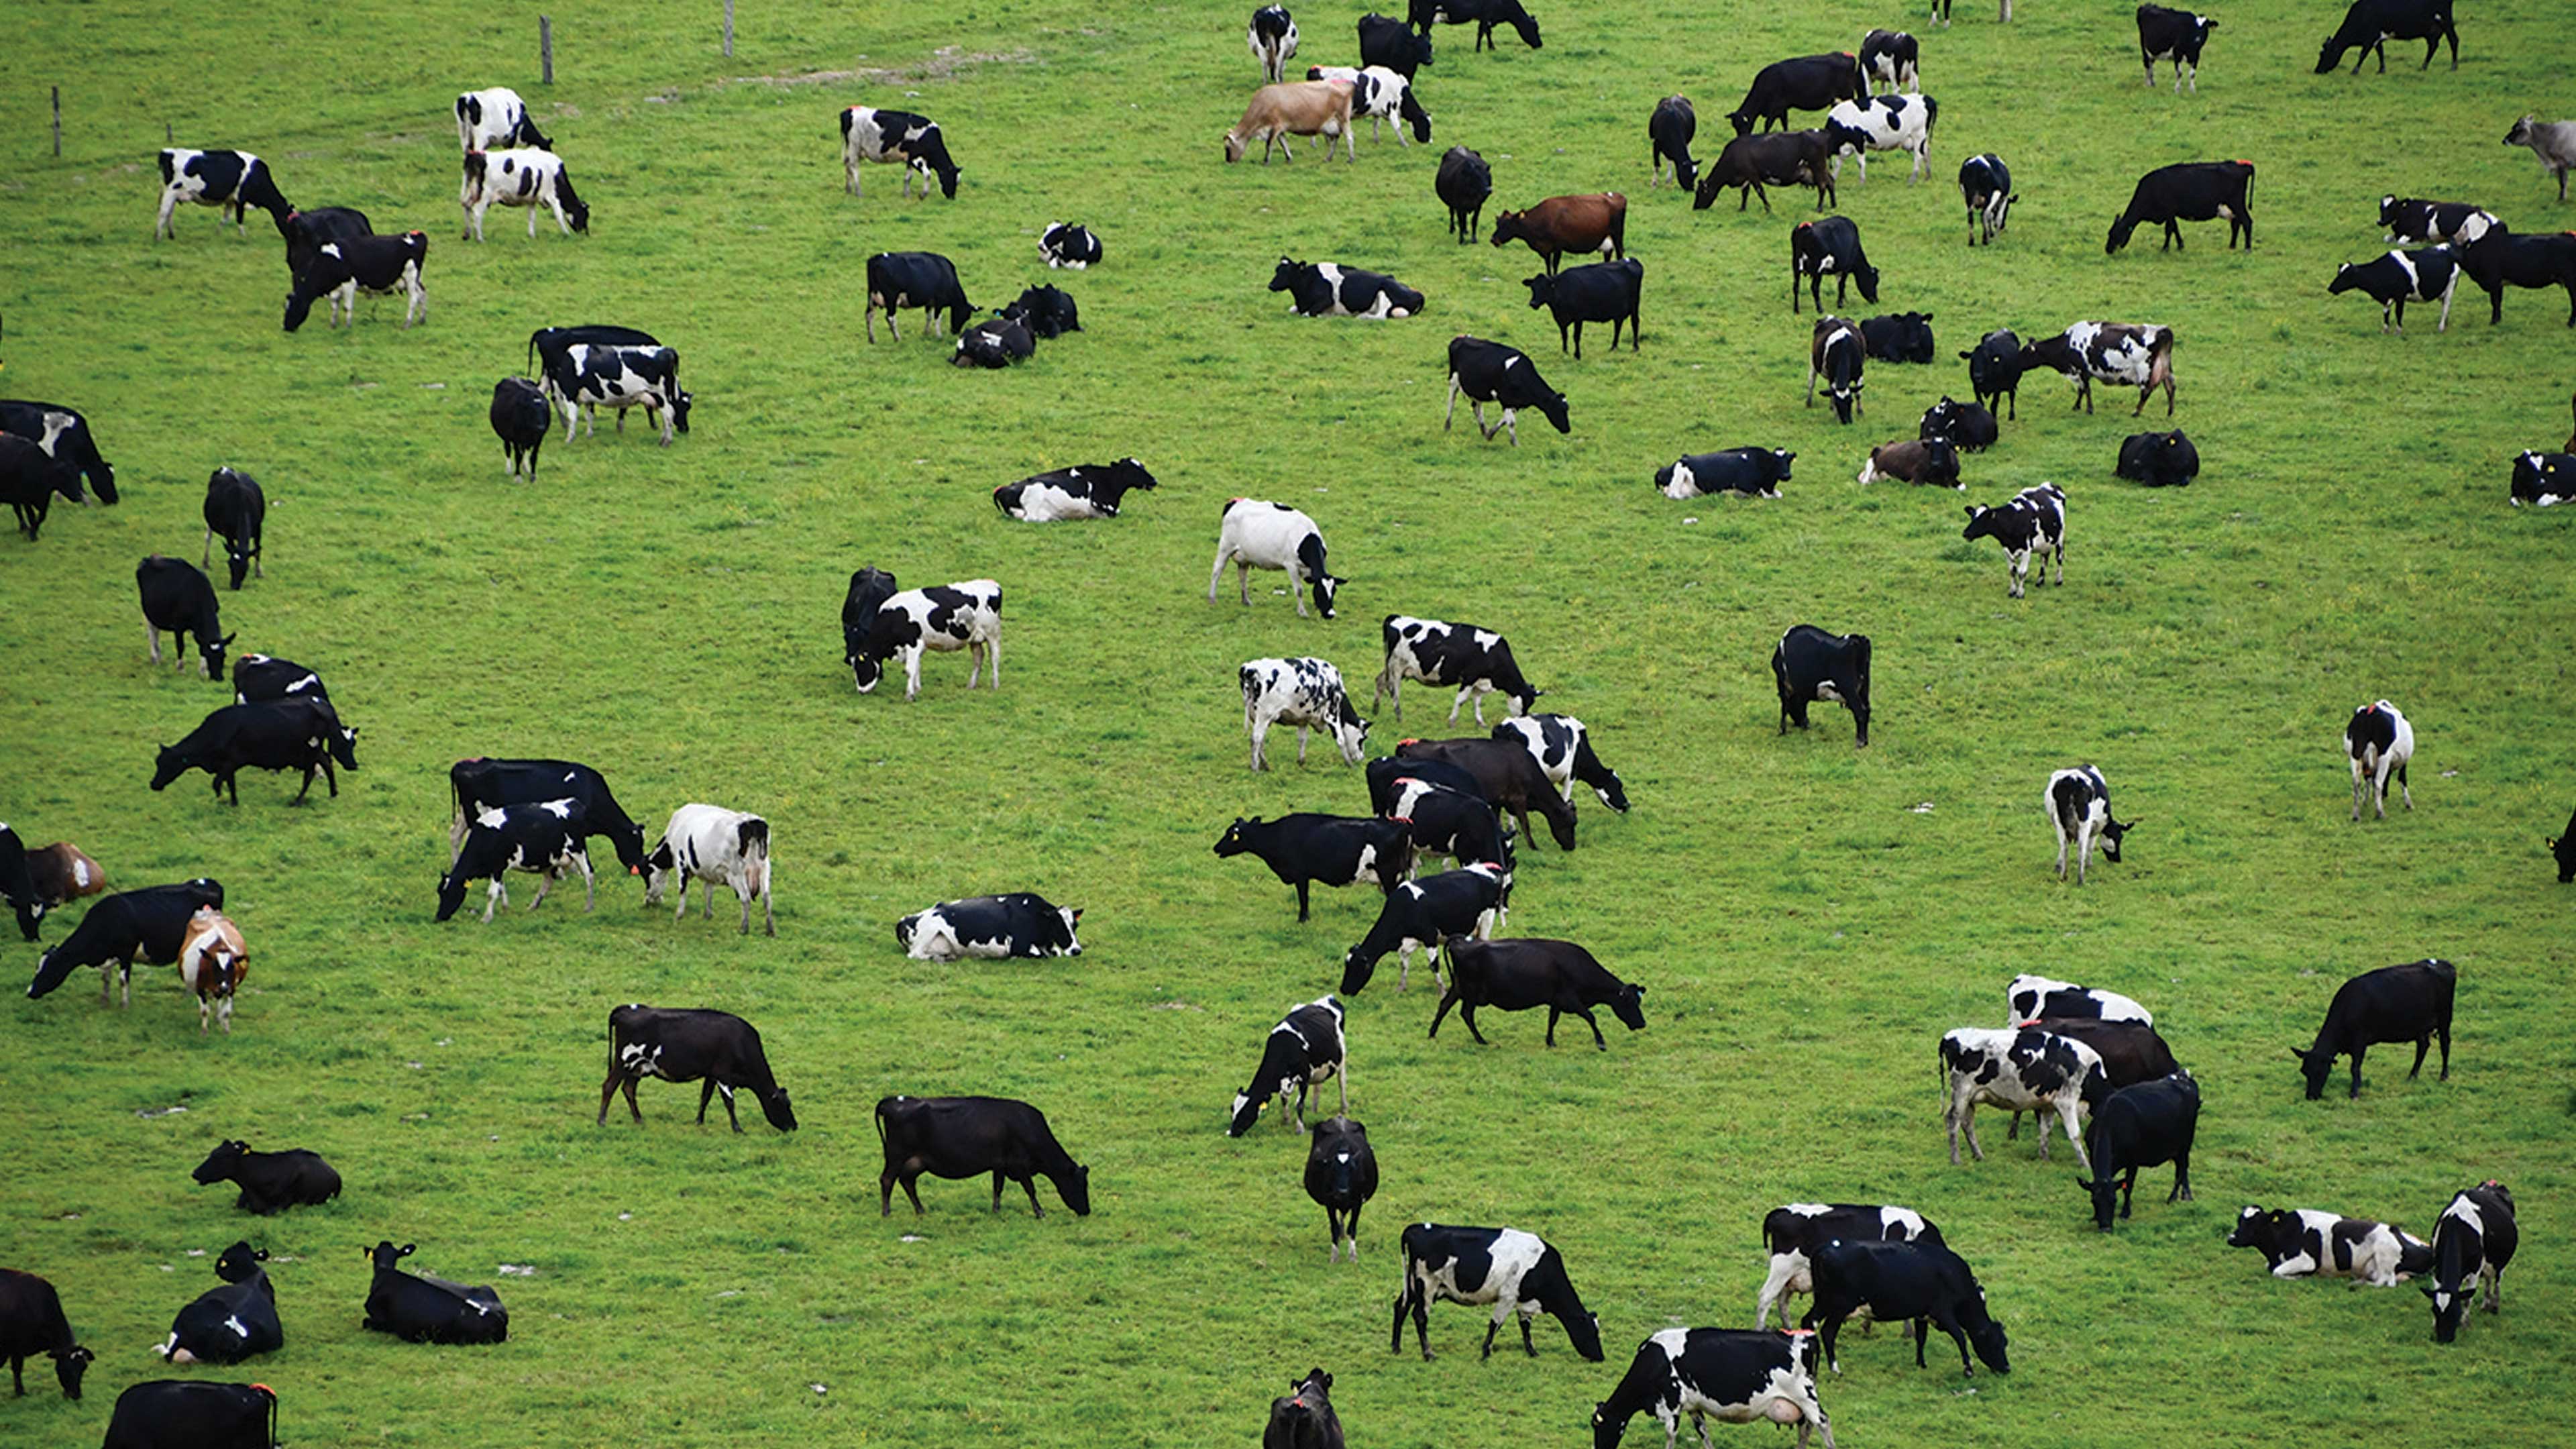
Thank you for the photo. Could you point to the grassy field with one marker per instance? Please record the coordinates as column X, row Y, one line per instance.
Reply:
column 1808, row 918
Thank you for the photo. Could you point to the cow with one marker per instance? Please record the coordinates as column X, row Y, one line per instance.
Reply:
column 496, row 117
column 2159, row 460
column 1519, row 1273
column 2473, row 1243
column 2419, row 222
column 64, row 435
column 1389, row 42
column 1891, row 56
column 1522, row 975
column 1602, row 292
column 1382, row 96
column 942, row 619
column 1306, row 693
column 307, row 232
column 520, row 177
column 1809, row 664
column 1838, row 355
column 2028, row 997
column 2562, row 848
column 178, row 598
column 520, row 417
column 869, row 587
column 151, row 922
column 1668, row 139
column 1329, row 289
column 1731, row 1375
column 2370, row 24
column 1463, row 183
column 2032, row 524
column 957, row 1137
column 1882, row 123
column 1294, row 108
column 1446, row 821
column 418, row 1308
column 213, row 964
column 193, row 1414
column 32, row 1323
column 549, row 346
column 548, row 839
column 2078, row 804
column 2378, row 742
column 1931, row 462
column 1273, row 39
column 2303, row 1243
column 479, row 783
column 2019, row 1069
column 1563, row 749
column 1255, row 534
column 1022, row 925
column 1341, row 1176
column 1306, row 1047
column 1808, row 83
column 1337, row 850
column 1507, row 776
column 1420, row 915
column 1898, row 336
column 1483, row 14
column 376, row 265
column 2190, row 191
column 1995, row 366
column 2498, row 258
column 1796, row 1232
column 30, row 479
column 915, row 279
column 1595, row 222
column 37, row 881
column 1503, row 375
column 2542, row 479
column 1921, row 1280
column 1749, row 163
column 719, row 847
column 2130, row 1049
column 270, row 1182
column 2411, row 1002
column 1476, row 662
column 1754, row 472
column 300, row 733
column 1968, row 427
column 228, row 1324
column 234, row 508
column 1085, row 490
column 679, row 1045
column 1062, row 245
column 234, row 181
column 998, row 341
column 2140, row 1126
column 2124, row 354
column 1305, row 1418
column 2175, row 35
column 912, row 142
column 1985, row 184
column 601, row 375
column 1048, row 311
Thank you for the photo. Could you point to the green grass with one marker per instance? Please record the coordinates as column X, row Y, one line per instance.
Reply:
column 1805, row 930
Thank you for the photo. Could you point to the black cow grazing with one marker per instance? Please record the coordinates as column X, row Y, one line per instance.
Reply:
column 2418, row 222
column 1668, row 139
column 1795, row 1233
column 1808, row 83
column 2032, row 524
column 869, row 587
column 1305, row 1418
column 228, row 1324
column 1086, row 490
column 1329, row 289
column 1446, row 821
column 2159, row 460
column 685, row 1046
column 1750, row 163
column 996, row 342
column 307, row 232
column 1809, row 664
column 32, row 1322
column 2473, row 1243
column 2404, row 1003
column 376, row 265
column 1731, row 1375
column 1921, row 1280
column 2191, row 191
column 2563, row 849
column 418, row 1308
column 1476, row 662
column 1483, row 14
column 2303, row 1242
column 2371, row 24
column 2124, row 354
column 192, row 1414
column 1419, row 915
column 1829, row 247
column 2497, row 258
column 1507, row 776
column 1341, row 1176
column 1602, row 292
column 1891, row 56
column 915, row 279
column 178, row 598
column 1522, row 975
column 1049, row 311
column 1389, row 42
column 549, row 840
column 2141, row 1126
column 1519, row 1273
column 1995, row 367
column 64, row 434
column 478, row 784
column 31, row 479
column 1463, row 183
column 967, row 1136
column 1492, row 372
column 235, row 507
column 1563, row 747
column 1299, row 1053
column 2542, row 479
column 271, row 1182
column 2175, row 35
column 1929, row 462
column 1839, row 356
column 151, row 923
column 300, row 733
column 1756, row 472
column 1338, row 850
column 1898, row 337
column 1985, row 184
column 234, row 181
column 1968, row 427
column 1069, row 244
column 520, row 418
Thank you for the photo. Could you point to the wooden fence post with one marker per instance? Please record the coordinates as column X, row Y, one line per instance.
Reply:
column 728, row 44
column 546, row 46
column 58, row 119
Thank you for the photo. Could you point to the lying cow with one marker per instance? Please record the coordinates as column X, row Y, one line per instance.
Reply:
column 1022, row 925
column 942, row 620
column 1337, row 850
column 681, row 1045
column 1522, row 975
column 2404, row 1003
column 1898, row 337
column 2303, row 1243
column 2542, row 479
column 956, row 1137
column 1420, row 915
column 2159, row 460
column 193, row 1414
column 1796, row 1232
column 549, row 840
column 1306, row 693
column 997, row 342
column 1730, row 1375
column 233, row 1322
column 418, row 1308
column 719, row 847
column 1519, row 1273
column 1930, row 462
column 1968, row 427
column 270, row 1182
column 1086, row 490
column 1329, row 289
column 1068, row 244
column 1305, row 1048
column 151, row 923
column 1753, row 472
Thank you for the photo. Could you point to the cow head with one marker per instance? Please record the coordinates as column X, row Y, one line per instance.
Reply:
column 1286, row 275
column 2449, row 1305
column 2112, row 831
column 679, row 410
column 1630, row 1006
column 1542, row 289
column 221, row 1163
column 1585, row 1329
column 1350, row 732
column 2520, row 135
column 1234, row 145
column 929, row 150
column 1743, row 125
column 1075, row 1188
column 1982, row 522
column 69, row 1365
column 773, row 1105
column 2315, row 1064
column 239, row 1262
column 386, row 1256
column 527, row 134
column 659, row 866
column 1310, row 558
column 1071, row 945
column 210, row 657
column 169, row 765
column 2564, row 848
column 1553, row 408
column 2344, row 280
column 451, row 893
column 1232, row 842
column 1987, row 1337
column 2255, row 1228
column 1867, row 277
column 1509, row 226
column 1358, row 965
column 1526, row 24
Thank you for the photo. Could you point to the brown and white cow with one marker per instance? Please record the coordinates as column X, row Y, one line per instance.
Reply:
column 1561, row 224
column 61, row 874
column 212, row 964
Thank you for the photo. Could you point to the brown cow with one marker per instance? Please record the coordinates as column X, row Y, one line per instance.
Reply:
column 62, row 874
column 1298, row 108
column 1561, row 224
column 212, row 964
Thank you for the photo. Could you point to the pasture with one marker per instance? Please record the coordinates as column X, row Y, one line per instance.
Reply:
column 1807, row 918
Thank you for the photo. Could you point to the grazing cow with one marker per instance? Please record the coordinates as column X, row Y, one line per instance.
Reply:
column 30, row 479
column 1969, row 427
column 271, row 1182
column 1795, row 1233
column 234, row 508
column 1483, row 14
column 1995, row 366
column 1563, row 749
column 717, row 846
column 1273, row 38
column 2404, row 1003
column 1305, row 1419
column 1337, row 850
column 298, row 733
column 520, row 417
column 869, row 587
column 2019, row 1069
column 1749, row 163
column 2379, row 742
column 915, row 279
column 2370, row 24
column 376, row 265
column 1329, row 289
column 549, row 840
column 178, row 598
column 1463, row 183
column 2190, row 191
column 1519, row 1273
column 680, row 1045
column 2419, row 222
column 1476, row 662
column 2175, row 35
column 1596, row 222
column 2303, row 1242
column 32, row 1323
column 2140, row 1126
column 2032, row 524
column 1522, row 975
column 1755, row 472
column 1341, row 1176
column 1446, row 821
column 234, row 181
column 1668, row 138
column 1503, row 375
column 1730, row 1375
column 478, row 784
column 1048, row 311
column 2029, row 997
column 213, row 964
column 2159, row 460
column 1421, row 914
column 1808, row 83
column 1891, row 56
column 193, row 1414
column 1985, row 184
column 1021, row 924
column 307, row 232
column 2542, row 479
column 1389, row 42
column 1063, row 245
column 2131, row 1051
column 65, row 436
column 1294, row 108
column 418, row 1308
column 1306, row 1047
column 1255, row 534
column 1306, row 693
column 2078, row 803
column 1809, row 664
column 228, row 1324
column 2124, row 354
column 151, row 923
column 496, row 117
column 1932, row 462
column 912, row 142
column 2554, row 142
column 1898, row 336
column 1838, row 355
column 549, row 346
column 998, row 341
column 957, row 1137
column 2497, row 258
column 1882, row 123
column 1382, row 96
column 597, row 376
column 1921, row 1280
column 942, row 619
column 523, row 178
column 1086, row 490
column 2473, row 1243
column 1507, row 776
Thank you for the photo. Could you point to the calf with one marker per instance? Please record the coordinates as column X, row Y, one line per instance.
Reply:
column 2554, row 142
column 2370, row 24
column 2191, row 191
column 1809, row 664
column 2139, row 356
column 1921, row 1280
column 1837, row 354
column 1808, row 83
column 1391, row 43
column 1306, row 1047
column 520, row 417
column 1294, row 108
column 1483, row 14
column 2378, row 741
column 1086, row 490
column 1476, row 662
column 1968, row 427
column 1898, row 337
column 1463, row 183
column 717, row 846
column 1450, row 822
column 1305, row 1419
column 1341, row 1176
column 1733, row 1376
column 1883, row 123
column 1496, row 373
column 2411, row 1002
column 2032, row 524
column 1306, row 693
column 178, row 598
column 1419, row 915
column 213, row 964
column 2414, row 220
column 377, row 265
column 1755, row 472
column 1995, row 366
column 1563, row 749
column 270, row 1182
column 998, row 341
column 1749, row 163
column 2303, row 1242
column 1273, row 38
column 1337, row 850
column 2159, row 460
column 192, row 1414
column 957, row 1137
column 233, row 181
column 1254, row 534
column 1506, row 776
column 1891, row 56
column 915, row 279
column 548, row 840
column 417, row 1308
column 912, row 142
column 1603, row 292
column 259, row 676
column 32, row 1322
column 30, row 480
column 2019, row 1069
column 2542, row 479
column 234, row 508
column 1062, row 245
column 679, row 1045
column 496, row 117
column 299, row 733
column 2141, row 1126
column 1933, row 462
column 1022, row 925
column 228, row 1324
column 1668, row 139
column 597, row 376
column 2028, row 997
column 1517, row 1272
column 1561, row 224
column 1329, row 289
column 2175, row 35
column 151, row 923
column 1525, row 974
column 2078, row 803
column 478, row 784
column 2497, row 258
column 523, row 178
column 307, row 232
column 65, row 436
column 1794, row 1234
column 942, row 619
column 1985, row 184
column 2473, row 1243
column 1382, row 96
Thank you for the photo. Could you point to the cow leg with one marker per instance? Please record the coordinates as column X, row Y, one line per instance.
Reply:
column 153, row 633
column 2423, row 1045
column 1243, row 582
column 911, row 672
column 2061, row 875
column 997, row 1190
column 2357, row 1049
column 545, row 882
column 1833, row 1327
column 730, row 1118
column 608, row 1094
column 161, row 228
column 2403, row 793
column 231, row 782
column 1922, row 1337
column 497, row 895
column 2182, row 1179
column 2128, row 1192
column 706, row 1094
column 1302, row 732
column 1595, row 1023
column 1811, row 392
column 308, row 787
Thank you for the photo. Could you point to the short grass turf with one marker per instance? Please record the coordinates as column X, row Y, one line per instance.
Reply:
column 1807, row 918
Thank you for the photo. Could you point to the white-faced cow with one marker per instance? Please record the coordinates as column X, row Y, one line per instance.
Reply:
column 2404, row 1003
column 597, row 376
column 1306, row 693
column 379, row 266
column 1085, row 490
column 523, row 177
column 298, row 733
column 228, row 1324
column 714, row 846
column 234, row 181
column 2378, row 742
column 1419, row 915
column 2139, row 1126
column 1255, row 534
column 2473, row 1243
column 1519, row 1273
column 150, row 923
column 2120, row 353
column 1730, row 1375
column 2189, row 191
column 213, row 964
column 1985, row 184
column 1563, row 749
column 1341, row 1176
column 1668, row 140
column 1476, row 662
column 2078, row 802
column 912, row 142
column 270, row 1182
column 549, row 840
column 1329, row 289
column 1306, row 1047
column 418, row 1308
column 1753, row 472
column 2032, row 525
column 1919, row 1280
column 1809, row 664
column 942, row 619
column 1071, row 245
column 2175, row 35
column 2370, row 24
column 1492, row 372
column 1523, row 975
column 1020, row 925
column 956, row 1137
column 1338, row 850
column 32, row 1323
column 2306, row 1243
column 1796, row 1232
column 1837, row 354
column 680, row 1045
column 1272, row 35
column 1882, row 123
column 178, row 598
column 2020, row 1070
column 496, row 117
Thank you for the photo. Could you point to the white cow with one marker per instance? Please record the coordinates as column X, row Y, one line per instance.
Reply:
column 1882, row 123
column 945, row 618
column 2020, row 1070
column 1306, row 693
column 496, row 117
column 2379, row 742
column 520, row 177
column 720, row 847
column 1261, row 535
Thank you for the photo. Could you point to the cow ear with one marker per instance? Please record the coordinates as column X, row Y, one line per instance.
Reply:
column 1971, row 510
column 2085, row 1183
column 407, row 1250
column 2299, row 1056
column 2427, row 1289
column 1077, row 915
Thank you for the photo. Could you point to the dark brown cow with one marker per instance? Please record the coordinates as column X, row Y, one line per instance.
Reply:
column 61, row 874
column 1509, row 778
column 1561, row 224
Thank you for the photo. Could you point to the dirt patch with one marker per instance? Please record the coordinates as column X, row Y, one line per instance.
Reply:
column 942, row 64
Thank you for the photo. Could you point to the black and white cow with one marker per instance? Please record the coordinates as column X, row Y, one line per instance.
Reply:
column 1304, row 1419
column 1601, row 292
column 307, row 232
column 1796, row 1232
column 2411, row 1002
column 915, row 279
column 230, row 1323
column 1445, row 820
column 1273, row 39
column 1829, row 247
column 1306, row 1047
column 955, row 1137
column 1755, row 472
column 1086, row 490
column 1807, row 83
column 2028, row 998
column 2304, row 1243
column 2033, row 523
column 480, row 783
column 2175, row 35
column 941, row 619
column 178, row 598
column 496, row 117
column 1255, row 534
column 597, row 375
column 193, row 1414
column 1519, row 1273
column 1985, row 184
column 681, row 1045
column 1668, row 139
column 2078, row 802
column 1968, row 427
column 1304, row 692
column 521, row 177
column 1995, row 366
column 64, row 435
column 1463, row 183
column 298, row 733
column 2189, row 191
column 235, row 181
column 1727, row 1374
column 998, row 341
column 1476, row 662
column 1341, row 1176
column 520, row 418
column 271, row 1182
column 1337, row 850
column 2159, row 460
column 1838, row 355
column 1506, row 776
column 1809, row 664
column 1022, row 925
column 1068, row 245
column 2542, row 479
column 1483, row 14
column 2418, row 222
column 1882, row 123
column 2473, row 1243
column 376, row 265
column 549, row 839
column 549, row 346
column 151, row 923
column 2140, row 1126
column 1329, row 289
column 32, row 1323
column 1492, row 372
column 31, row 479
column 2124, row 354
column 1523, row 975
column 1420, row 915
column 913, row 142
column 1898, row 337
column 418, row 1308
column 2496, row 258
column 2378, row 742
column 716, row 846
column 1891, row 56
column 1563, row 749
column 1387, row 41
column 2020, row 1069
column 1381, row 95
column 2371, row 24
column 1895, row 1280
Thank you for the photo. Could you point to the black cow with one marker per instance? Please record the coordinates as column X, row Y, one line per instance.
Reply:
column 1086, row 490
column 1299, row 1053
column 2417, row 221
column 684, row 1046
column 307, row 232
column 869, row 587
column 1995, row 366
column 1968, row 427
column 192, row 1414
column 1758, row 472
column 1490, row 372
column 2542, row 479
column 31, row 479
column 1049, row 311
column 2473, row 1243
column 418, row 1308
column 2497, row 258
column 65, row 435
column 967, row 1136
column 1305, row 1418
column 1563, row 747
column 1521, row 975
column 1985, row 184
column 1808, row 83
column 1735, row 1376
column 2563, row 848
column 1668, row 138
column 2032, row 524
column 1921, row 1280
column 1341, row 1176
column 548, row 839
column 1419, row 915
column 1387, row 41
column 998, row 341
column 178, row 598
column 228, row 1324
column 1483, row 14
column 1897, row 337
column 1809, row 664
column 2371, row 24
column 32, row 1322
column 1329, row 289
column 300, row 733
column 2411, row 1002
column 520, row 418
column 2190, row 191
column 2141, row 1126
column 1520, row 1273
column 2175, row 35
column 18, row 884
column 1338, row 850
column 376, row 265
column 151, row 923
column 1463, row 183
column 1749, row 163
column 1443, row 820
column 1507, row 777
column 235, row 507
column 1796, row 1232
column 1602, row 292
column 478, row 784
column 2159, row 460
column 915, row 279
column 271, row 1182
